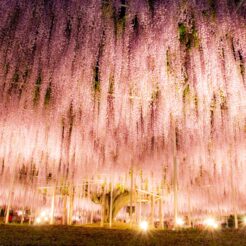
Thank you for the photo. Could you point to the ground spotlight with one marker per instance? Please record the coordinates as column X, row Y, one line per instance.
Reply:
column 38, row 220
column 180, row 222
column 42, row 218
column 19, row 213
column 144, row 225
column 244, row 220
column 211, row 223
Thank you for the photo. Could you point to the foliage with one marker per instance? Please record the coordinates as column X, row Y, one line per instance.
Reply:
column 107, row 8
column 186, row 91
column 68, row 29
column 96, row 83
column 6, row 68
column 47, row 96
column 120, row 19
column 38, row 83
column 151, row 4
column 135, row 24
column 188, row 36
column 212, row 5
column 211, row 11
column 182, row 32
column 111, row 85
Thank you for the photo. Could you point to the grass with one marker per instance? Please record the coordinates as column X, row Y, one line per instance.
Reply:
column 78, row 235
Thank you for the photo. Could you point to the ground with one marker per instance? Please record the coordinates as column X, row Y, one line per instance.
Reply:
column 75, row 235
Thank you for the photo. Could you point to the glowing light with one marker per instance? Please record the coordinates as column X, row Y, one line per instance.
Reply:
column 180, row 222
column 76, row 218
column 244, row 220
column 43, row 214
column 211, row 223
column 38, row 220
column 19, row 212
column 42, row 218
column 144, row 225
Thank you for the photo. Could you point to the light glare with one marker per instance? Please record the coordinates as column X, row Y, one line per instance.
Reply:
column 144, row 225
column 180, row 222
column 211, row 223
column 43, row 214
column 38, row 220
